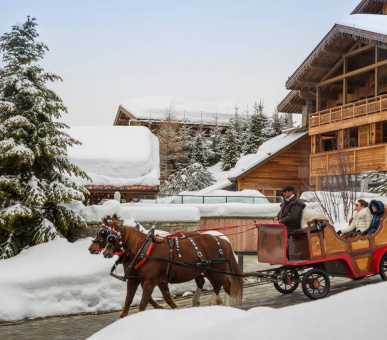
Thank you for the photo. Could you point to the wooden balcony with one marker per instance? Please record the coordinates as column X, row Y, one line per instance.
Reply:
column 336, row 117
column 349, row 161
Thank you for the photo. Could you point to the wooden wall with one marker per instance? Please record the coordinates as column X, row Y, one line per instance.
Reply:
column 245, row 241
column 291, row 167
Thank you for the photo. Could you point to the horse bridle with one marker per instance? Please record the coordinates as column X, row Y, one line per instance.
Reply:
column 112, row 239
column 103, row 232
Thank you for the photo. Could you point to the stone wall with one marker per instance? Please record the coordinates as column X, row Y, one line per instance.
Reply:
column 168, row 226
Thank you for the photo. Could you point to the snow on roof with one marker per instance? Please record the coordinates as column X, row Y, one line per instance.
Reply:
column 367, row 22
column 155, row 108
column 116, row 155
column 247, row 162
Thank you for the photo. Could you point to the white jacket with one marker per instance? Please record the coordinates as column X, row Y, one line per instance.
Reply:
column 361, row 221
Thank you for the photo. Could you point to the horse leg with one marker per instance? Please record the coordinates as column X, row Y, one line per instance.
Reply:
column 216, row 285
column 199, row 287
column 167, row 295
column 147, row 289
column 131, row 288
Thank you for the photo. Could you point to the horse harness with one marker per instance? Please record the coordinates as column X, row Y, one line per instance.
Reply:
column 144, row 253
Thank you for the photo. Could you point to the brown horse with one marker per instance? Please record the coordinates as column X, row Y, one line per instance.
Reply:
column 216, row 299
column 100, row 241
column 154, row 272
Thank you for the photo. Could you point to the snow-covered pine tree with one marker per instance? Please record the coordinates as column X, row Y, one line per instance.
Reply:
column 187, row 142
column 34, row 188
column 256, row 134
column 239, row 126
column 216, row 138
column 277, row 123
column 230, row 153
column 198, row 150
column 192, row 178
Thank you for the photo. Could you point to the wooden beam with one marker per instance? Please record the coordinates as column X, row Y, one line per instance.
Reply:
column 307, row 81
column 353, row 73
column 295, row 102
column 335, row 50
column 318, row 98
column 320, row 67
column 333, row 69
column 359, row 50
column 325, row 95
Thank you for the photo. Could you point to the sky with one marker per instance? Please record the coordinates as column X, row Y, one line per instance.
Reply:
column 220, row 51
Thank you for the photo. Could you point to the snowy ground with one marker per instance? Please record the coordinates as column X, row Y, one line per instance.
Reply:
column 60, row 278
column 356, row 314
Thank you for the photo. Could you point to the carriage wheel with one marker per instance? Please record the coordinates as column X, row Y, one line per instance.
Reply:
column 288, row 282
column 316, row 284
column 383, row 267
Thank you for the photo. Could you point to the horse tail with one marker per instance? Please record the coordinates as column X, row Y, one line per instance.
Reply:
column 236, row 291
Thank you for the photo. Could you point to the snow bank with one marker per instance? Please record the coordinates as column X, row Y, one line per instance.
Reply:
column 59, row 277
column 116, row 155
column 333, row 316
column 137, row 212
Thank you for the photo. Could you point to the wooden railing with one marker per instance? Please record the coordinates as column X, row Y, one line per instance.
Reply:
column 348, row 111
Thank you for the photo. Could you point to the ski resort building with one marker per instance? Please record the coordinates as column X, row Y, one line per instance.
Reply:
column 341, row 91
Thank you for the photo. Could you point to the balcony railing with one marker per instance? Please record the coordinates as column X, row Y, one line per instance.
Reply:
column 352, row 110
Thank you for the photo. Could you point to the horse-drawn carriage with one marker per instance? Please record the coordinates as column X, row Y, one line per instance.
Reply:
column 317, row 252
column 307, row 256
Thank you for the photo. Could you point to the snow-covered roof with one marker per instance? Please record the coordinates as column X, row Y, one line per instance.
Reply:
column 117, row 155
column 367, row 22
column 194, row 112
column 248, row 162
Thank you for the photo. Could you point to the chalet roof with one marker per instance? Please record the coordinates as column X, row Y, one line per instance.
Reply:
column 192, row 112
column 369, row 7
column 248, row 163
column 367, row 28
column 271, row 149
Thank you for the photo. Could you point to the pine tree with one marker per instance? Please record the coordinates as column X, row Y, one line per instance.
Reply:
column 230, row 153
column 216, row 138
column 277, row 123
column 198, row 150
column 257, row 125
column 192, row 178
column 34, row 181
column 239, row 126
column 187, row 142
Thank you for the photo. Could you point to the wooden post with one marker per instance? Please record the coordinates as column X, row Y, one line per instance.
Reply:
column 376, row 72
column 385, row 9
column 345, row 81
column 318, row 99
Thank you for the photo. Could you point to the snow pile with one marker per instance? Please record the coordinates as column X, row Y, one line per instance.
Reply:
column 116, row 155
column 321, row 320
column 59, row 277
column 248, row 162
column 367, row 22
column 137, row 212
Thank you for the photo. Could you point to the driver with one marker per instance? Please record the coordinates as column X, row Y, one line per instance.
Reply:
column 291, row 210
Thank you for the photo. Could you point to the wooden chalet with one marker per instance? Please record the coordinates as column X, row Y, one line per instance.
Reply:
column 341, row 91
column 288, row 165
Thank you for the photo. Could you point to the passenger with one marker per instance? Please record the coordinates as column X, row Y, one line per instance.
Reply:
column 377, row 211
column 291, row 210
column 360, row 221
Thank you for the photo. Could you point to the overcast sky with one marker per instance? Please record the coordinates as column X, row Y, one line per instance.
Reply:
column 220, row 51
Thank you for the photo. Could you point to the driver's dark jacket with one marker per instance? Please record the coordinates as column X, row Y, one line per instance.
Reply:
column 291, row 213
